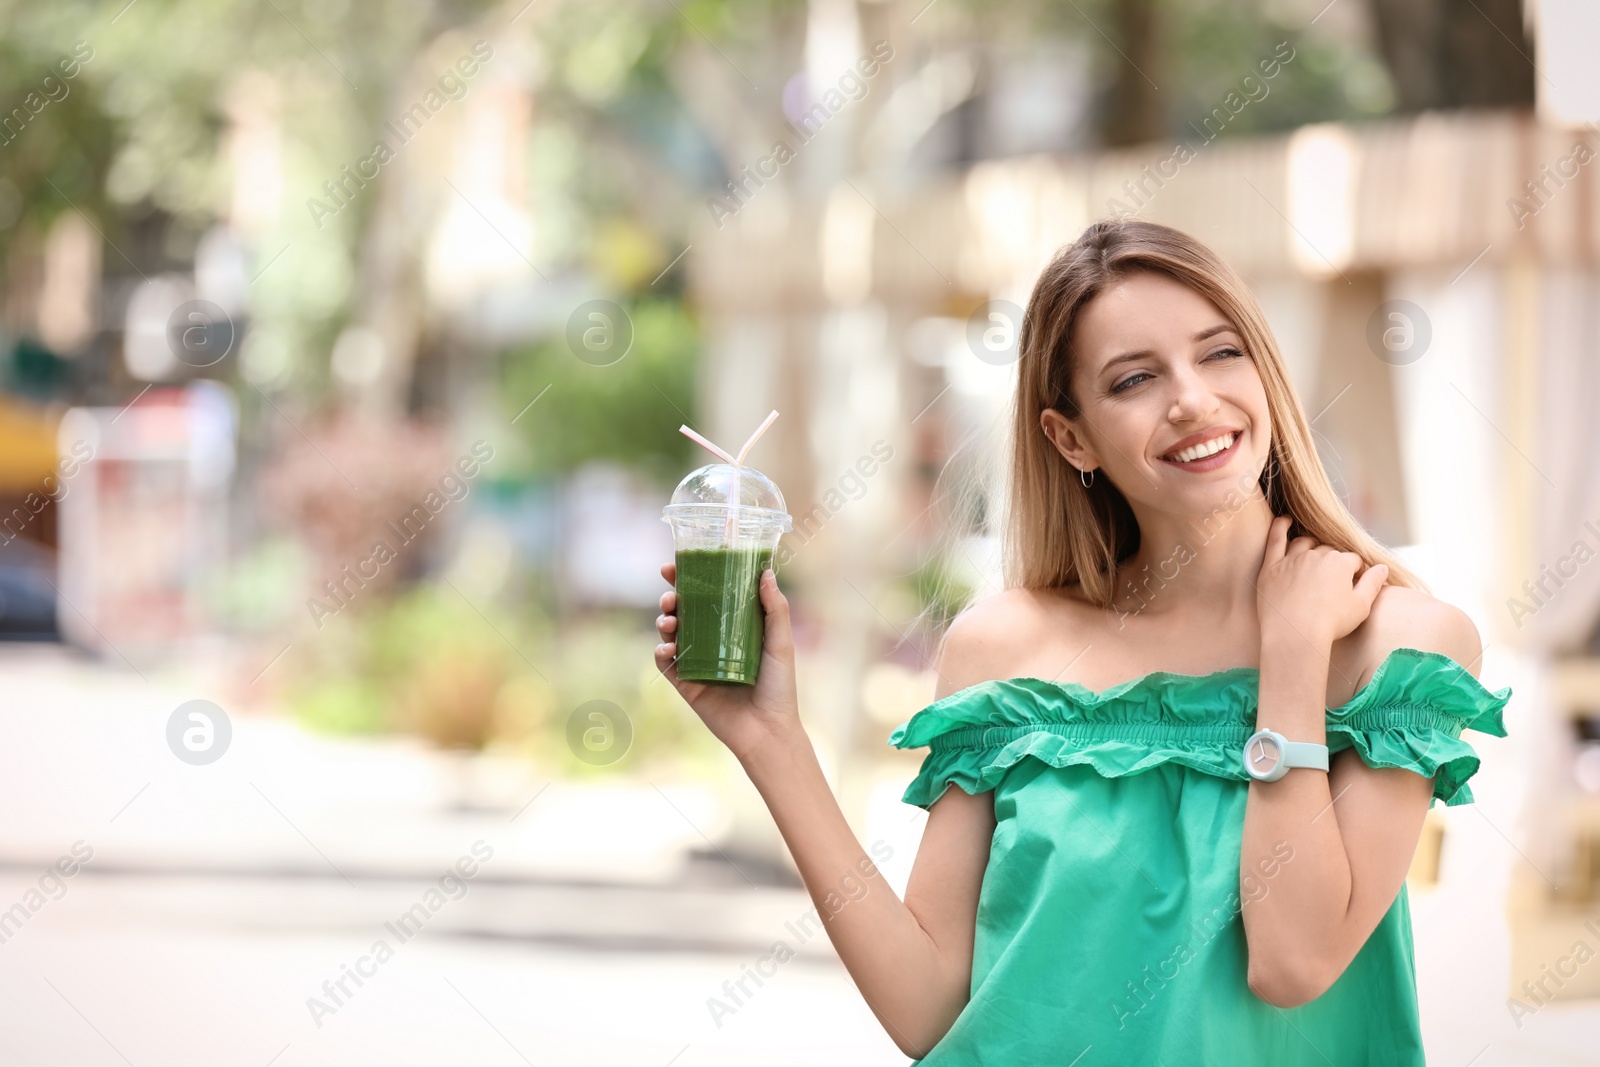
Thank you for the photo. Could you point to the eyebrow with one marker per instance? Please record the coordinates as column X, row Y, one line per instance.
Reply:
column 1128, row 357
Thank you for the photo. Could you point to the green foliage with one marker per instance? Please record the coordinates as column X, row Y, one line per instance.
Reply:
column 426, row 662
column 343, row 706
column 1213, row 48
column 139, row 138
column 628, row 412
column 1204, row 49
column 941, row 591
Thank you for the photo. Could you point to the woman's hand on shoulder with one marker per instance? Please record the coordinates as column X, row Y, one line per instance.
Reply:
column 1403, row 617
column 1313, row 587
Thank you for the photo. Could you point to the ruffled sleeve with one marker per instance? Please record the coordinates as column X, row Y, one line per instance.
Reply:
column 976, row 734
column 1411, row 715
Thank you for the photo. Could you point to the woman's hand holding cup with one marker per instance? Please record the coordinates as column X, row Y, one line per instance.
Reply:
column 749, row 719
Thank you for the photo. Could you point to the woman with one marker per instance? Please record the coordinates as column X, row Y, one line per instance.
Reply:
column 1128, row 872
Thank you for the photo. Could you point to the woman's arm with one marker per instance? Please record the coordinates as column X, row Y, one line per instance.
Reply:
column 911, row 959
column 1350, row 833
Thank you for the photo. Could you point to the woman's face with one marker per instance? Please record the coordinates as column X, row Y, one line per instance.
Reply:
column 1159, row 369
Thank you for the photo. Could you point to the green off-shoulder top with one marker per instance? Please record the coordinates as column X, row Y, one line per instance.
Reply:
column 1109, row 926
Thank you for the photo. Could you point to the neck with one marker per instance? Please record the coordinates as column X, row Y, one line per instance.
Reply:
column 1201, row 565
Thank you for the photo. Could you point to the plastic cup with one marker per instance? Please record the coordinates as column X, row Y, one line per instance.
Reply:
column 726, row 522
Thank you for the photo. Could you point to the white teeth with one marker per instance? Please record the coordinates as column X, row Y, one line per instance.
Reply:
column 1209, row 448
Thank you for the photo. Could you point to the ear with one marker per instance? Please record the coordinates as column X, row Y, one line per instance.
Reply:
column 1064, row 435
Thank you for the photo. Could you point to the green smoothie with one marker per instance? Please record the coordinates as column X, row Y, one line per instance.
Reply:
column 720, row 618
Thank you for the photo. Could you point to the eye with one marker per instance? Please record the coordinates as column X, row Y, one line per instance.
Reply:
column 1133, row 379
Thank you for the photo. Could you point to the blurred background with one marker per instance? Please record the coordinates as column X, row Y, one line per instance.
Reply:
column 343, row 354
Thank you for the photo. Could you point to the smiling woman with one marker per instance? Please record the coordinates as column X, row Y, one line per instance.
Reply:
column 1122, row 289
column 1093, row 888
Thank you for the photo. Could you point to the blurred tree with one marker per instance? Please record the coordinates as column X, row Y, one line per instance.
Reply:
column 139, row 138
column 1134, row 112
column 1156, row 65
column 628, row 411
column 1456, row 53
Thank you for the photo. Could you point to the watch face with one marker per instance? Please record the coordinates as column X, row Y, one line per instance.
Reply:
column 1263, row 755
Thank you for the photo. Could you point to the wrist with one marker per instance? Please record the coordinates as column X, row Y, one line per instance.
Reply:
column 1295, row 643
column 776, row 748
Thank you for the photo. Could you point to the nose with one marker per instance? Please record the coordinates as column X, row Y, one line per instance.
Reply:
column 1192, row 398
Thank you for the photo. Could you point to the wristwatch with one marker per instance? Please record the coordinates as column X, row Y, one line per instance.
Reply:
column 1268, row 755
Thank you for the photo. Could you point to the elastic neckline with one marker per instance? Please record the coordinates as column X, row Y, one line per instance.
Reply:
column 1083, row 694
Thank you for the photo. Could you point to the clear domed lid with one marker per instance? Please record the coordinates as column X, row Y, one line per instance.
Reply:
column 713, row 490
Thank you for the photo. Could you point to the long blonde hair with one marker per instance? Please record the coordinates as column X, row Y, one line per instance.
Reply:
column 1059, row 533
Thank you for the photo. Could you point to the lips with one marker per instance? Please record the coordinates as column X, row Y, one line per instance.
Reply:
column 1210, row 461
column 1200, row 438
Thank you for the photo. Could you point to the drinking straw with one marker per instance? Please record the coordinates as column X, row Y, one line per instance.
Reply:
column 737, row 461
column 719, row 452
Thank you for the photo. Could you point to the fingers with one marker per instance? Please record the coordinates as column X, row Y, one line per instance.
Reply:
column 1276, row 535
column 669, row 571
column 1372, row 582
column 778, row 638
column 667, row 661
column 667, row 621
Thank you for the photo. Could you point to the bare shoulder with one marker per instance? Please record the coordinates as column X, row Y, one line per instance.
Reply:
column 1402, row 617
column 985, row 640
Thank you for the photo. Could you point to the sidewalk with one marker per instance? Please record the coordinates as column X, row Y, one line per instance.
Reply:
column 282, row 863
column 599, row 924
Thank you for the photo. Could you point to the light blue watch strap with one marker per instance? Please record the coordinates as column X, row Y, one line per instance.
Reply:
column 1305, row 754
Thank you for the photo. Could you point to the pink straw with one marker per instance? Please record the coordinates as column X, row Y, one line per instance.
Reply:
column 737, row 461
column 755, row 437
column 719, row 452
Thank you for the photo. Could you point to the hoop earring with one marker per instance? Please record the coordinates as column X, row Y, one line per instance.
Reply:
column 1087, row 481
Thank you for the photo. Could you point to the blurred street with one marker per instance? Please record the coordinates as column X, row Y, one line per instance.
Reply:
column 175, row 945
